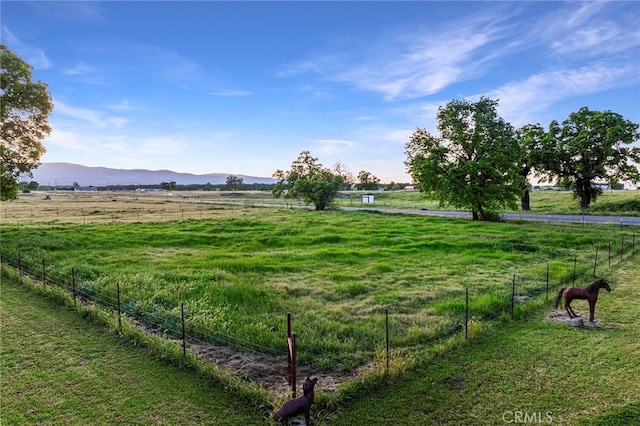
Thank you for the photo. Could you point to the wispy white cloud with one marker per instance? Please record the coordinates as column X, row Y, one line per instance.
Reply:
column 521, row 101
column 94, row 117
column 231, row 93
column 87, row 74
column 34, row 56
column 168, row 65
column 331, row 147
column 161, row 145
column 406, row 67
column 125, row 105
column 68, row 140
column 90, row 11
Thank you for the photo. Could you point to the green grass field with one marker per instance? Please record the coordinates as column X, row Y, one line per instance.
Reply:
column 550, row 371
column 336, row 272
column 239, row 270
column 58, row 369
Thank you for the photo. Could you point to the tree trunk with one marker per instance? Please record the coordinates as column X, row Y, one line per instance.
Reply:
column 583, row 189
column 525, row 201
column 474, row 215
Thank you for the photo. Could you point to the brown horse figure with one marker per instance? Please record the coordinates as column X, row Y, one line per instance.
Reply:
column 297, row 406
column 589, row 293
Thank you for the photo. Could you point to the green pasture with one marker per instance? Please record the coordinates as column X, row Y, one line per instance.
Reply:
column 336, row 272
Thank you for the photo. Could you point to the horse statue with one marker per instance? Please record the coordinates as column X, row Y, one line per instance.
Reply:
column 589, row 293
column 297, row 406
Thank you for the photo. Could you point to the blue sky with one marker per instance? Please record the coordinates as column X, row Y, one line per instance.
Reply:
column 244, row 87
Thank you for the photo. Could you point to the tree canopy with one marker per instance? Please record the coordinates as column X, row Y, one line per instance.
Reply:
column 588, row 147
column 233, row 182
column 308, row 180
column 474, row 163
column 24, row 112
column 367, row 181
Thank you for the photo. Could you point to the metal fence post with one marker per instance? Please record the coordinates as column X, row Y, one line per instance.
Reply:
column 386, row 322
column 119, row 308
column 547, row 287
column 184, row 335
column 20, row 265
column 513, row 293
column 73, row 285
column 466, row 314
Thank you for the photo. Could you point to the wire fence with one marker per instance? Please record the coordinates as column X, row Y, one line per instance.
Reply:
column 272, row 367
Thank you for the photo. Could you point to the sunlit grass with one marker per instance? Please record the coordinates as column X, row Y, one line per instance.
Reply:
column 337, row 272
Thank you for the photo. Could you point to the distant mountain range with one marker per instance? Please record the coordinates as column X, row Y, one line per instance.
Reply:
column 63, row 174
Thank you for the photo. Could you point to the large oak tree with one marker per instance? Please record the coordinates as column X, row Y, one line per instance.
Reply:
column 591, row 147
column 24, row 111
column 474, row 163
column 308, row 180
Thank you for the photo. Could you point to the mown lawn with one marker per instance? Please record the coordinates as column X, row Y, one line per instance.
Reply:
column 60, row 369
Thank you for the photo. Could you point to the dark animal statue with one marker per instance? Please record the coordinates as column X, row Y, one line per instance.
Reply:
column 589, row 293
column 298, row 406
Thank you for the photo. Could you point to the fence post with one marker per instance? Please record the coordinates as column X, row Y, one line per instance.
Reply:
column 595, row 262
column 466, row 314
column 20, row 265
column 44, row 272
column 184, row 335
column 290, row 355
column 575, row 261
column 513, row 293
column 621, row 247
column 73, row 285
column 547, row 287
column 386, row 322
column 633, row 243
column 119, row 308
column 294, row 355
column 609, row 254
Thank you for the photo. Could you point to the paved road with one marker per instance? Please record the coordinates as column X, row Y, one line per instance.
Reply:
column 617, row 220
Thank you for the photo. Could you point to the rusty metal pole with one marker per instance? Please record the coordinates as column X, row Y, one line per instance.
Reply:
column 289, row 353
column 294, row 356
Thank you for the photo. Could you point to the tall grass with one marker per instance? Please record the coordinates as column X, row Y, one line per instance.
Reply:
column 335, row 271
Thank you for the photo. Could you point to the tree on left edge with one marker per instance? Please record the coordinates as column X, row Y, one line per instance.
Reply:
column 25, row 106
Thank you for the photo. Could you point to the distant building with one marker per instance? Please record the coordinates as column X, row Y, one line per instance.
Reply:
column 367, row 199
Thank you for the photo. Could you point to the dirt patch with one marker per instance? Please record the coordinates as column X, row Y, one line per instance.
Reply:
column 563, row 317
column 266, row 371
